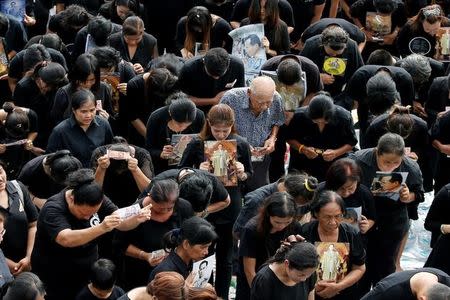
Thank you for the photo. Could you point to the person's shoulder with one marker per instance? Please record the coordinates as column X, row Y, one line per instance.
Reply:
column 307, row 64
column 115, row 37
column 313, row 41
column 136, row 81
column 349, row 229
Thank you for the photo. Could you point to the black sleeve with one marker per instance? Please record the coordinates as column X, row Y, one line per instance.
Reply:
column 20, row 96
column 438, row 212
column 248, row 246
column 286, row 44
column 221, row 29
column 357, row 251
column 240, row 11
column 60, row 105
column 286, row 13
column 79, row 44
column 155, row 128
column 403, row 40
column 405, row 87
column 261, row 286
column 180, row 35
column 219, row 191
column 368, row 209
column 33, row 119
column 16, row 66
column 134, row 95
column 358, row 10
column 193, row 155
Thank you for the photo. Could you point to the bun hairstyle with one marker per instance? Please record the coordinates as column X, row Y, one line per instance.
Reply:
column 300, row 185
column 84, row 189
column 167, row 286
column 300, row 255
column 51, row 73
column 195, row 230
column 181, row 108
column 61, row 164
column 17, row 124
column 400, row 121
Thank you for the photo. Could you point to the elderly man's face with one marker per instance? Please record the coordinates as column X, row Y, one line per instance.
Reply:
column 260, row 101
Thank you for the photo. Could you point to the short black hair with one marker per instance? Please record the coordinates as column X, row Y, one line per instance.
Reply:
column 107, row 57
column 85, row 190
column 217, row 61
column 289, row 71
column 181, row 108
column 100, row 29
column 385, row 6
column 380, row 57
column 321, row 106
column 61, row 164
column 381, row 93
column 103, row 274
column 196, row 188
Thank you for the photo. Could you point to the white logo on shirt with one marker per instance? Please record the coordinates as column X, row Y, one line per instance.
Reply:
column 95, row 220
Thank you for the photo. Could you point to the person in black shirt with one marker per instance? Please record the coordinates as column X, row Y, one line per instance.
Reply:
column 261, row 238
column 219, row 127
column 168, row 212
column 136, row 46
column 91, row 6
column 440, row 140
column 336, row 55
column 412, row 285
column 179, row 117
column 222, row 8
column 438, row 98
column 205, row 79
column 102, row 282
column 68, row 22
column 26, row 286
column 118, row 10
column 201, row 27
column 319, row 134
column 289, row 274
column 14, row 35
column 188, row 243
column 45, row 175
column 437, row 220
column 353, row 31
column 328, row 211
column 68, row 226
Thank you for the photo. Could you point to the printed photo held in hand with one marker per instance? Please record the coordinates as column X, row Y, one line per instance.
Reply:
column 179, row 143
column 378, row 25
column 291, row 95
column 388, row 184
column 222, row 160
column 353, row 216
column 333, row 260
column 202, row 270
column 443, row 44
column 248, row 46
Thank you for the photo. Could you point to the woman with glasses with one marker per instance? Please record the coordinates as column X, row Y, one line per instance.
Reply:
column 326, row 134
column 261, row 238
column 135, row 46
column 337, row 279
column 391, row 209
column 168, row 212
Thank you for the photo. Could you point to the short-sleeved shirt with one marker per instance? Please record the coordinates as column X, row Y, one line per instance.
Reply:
column 313, row 82
column 267, row 286
column 398, row 286
column 69, row 135
column 194, row 80
column 144, row 52
column 316, row 28
column 22, row 212
column 255, row 129
column 303, row 14
column 315, row 51
column 356, row 89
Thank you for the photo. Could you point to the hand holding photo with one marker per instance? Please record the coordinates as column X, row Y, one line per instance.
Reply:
column 222, row 160
column 388, row 184
column 129, row 211
column 203, row 270
column 118, row 155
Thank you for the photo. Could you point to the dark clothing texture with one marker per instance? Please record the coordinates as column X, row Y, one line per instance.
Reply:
column 86, row 294
column 241, row 8
column 438, row 99
column 437, row 214
column 69, row 135
column 338, row 132
column 48, row 256
column 439, row 132
column 144, row 52
column 159, row 135
column 303, row 14
column 316, row 28
column 172, row 263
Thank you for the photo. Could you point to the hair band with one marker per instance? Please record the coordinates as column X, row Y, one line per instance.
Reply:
column 307, row 186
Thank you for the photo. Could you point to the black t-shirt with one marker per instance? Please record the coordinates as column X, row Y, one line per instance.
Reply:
column 48, row 256
column 144, row 52
column 15, row 37
column 261, row 248
column 438, row 213
column 313, row 82
column 241, row 8
column 86, row 294
column 267, row 286
column 219, row 8
column 194, row 81
column 22, row 212
column 38, row 182
column 158, row 134
column 218, row 36
column 338, row 132
column 194, row 155
column 316, row 28
column 91, row 6
column 438, row 98
column 172, row 263
column 398, row 286
column 135, row 270
column 315, row 51
column 347, row 234
column 303, row 14
column 356, row 89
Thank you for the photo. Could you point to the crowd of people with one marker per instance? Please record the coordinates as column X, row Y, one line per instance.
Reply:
column 133, row 147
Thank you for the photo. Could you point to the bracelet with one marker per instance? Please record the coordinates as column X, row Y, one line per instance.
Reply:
column 442, row 229
column 300, row 148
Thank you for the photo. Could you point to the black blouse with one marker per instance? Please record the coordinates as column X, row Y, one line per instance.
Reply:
column 144, row 52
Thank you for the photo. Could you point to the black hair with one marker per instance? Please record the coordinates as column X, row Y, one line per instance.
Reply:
column 321, row 106
column 17, row 123
column 26, row 286
column 300, row 255
column 380, row 57
column 254, row 39
column 61, row 164
column 385, row 6
column 325, row 197
column 74, row 17
column 279, row 204
column 85, row 190
column 80, row 97
column 51, row 73
column 381, row 93
column 300, row 185
column 181, row 108
column 217, row 61
column 52, row 40
column 400, row 121
column 4, row 25
column 197, row 189
column 418, row 66
column 195, row 230
column 107, row 57
column 33, row 55
column 391, row 143
column 289, row 71
column 85, row 65
column 169, row 61
column 133, row 25
column 160, row 84
column 103, row 274
column 351, row 214
column 100, row 29
column 161, row 190
column 341, row 171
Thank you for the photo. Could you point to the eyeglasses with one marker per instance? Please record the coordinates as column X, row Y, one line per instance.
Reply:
column 338, row 218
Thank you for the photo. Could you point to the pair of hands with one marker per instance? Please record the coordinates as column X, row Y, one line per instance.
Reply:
column 137, row 68
column 240, row 170
column 312, row 153
column 269, row 147
column 166, row 152
column 24, row 265
column 388, row 39
column 104, row 162
column 114, row 220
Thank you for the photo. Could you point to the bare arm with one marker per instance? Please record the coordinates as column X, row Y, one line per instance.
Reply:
column 140, row 127
column 318, row 10
column 249, row 269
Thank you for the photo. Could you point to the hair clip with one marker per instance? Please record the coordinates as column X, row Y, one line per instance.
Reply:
column 307, row 186
column 435, row 11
